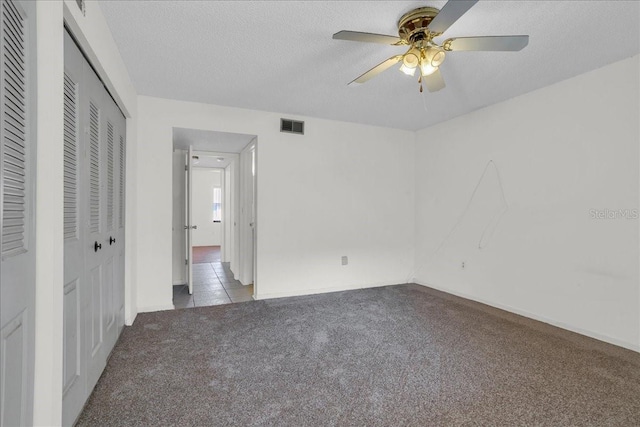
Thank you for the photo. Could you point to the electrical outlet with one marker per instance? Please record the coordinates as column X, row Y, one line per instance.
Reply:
column 463, row 265
column 345, row 260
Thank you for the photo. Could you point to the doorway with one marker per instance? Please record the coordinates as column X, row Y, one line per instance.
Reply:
column 214, row 223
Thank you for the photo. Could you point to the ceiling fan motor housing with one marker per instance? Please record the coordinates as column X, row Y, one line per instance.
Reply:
column 412, row 27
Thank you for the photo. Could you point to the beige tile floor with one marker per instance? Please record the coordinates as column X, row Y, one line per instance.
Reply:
column 213, row 284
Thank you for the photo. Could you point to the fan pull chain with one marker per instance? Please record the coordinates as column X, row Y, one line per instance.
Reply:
column 420, row 82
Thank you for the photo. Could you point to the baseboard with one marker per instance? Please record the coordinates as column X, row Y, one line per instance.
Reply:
column 303, row 292
column 537, row 317
column 129, row 320
column 152, row 308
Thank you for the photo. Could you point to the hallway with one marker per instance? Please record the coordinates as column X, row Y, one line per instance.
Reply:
column 213, row 282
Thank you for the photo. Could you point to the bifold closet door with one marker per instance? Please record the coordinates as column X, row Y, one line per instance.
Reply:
column 112, row 295
column 117, row 234
column 17, row 196
column 94, row 228
column 75, row 297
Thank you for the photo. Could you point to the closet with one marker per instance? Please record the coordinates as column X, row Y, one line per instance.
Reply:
column 94, row 202
column 17, row 222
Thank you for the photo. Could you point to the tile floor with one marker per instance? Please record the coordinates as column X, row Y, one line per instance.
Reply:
column 213, row 284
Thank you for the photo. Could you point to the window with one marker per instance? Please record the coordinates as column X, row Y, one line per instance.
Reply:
column 217, row 204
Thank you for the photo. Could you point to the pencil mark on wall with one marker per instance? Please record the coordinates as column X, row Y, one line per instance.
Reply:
column 502, row 207
column 487, row 233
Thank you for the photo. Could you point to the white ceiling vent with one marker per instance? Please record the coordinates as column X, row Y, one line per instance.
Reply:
column 291, row 126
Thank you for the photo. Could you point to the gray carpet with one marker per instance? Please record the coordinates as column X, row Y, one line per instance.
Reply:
column 395, row 356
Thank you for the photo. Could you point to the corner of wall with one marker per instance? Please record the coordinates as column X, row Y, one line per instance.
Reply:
column 554, row 168
column 47, row 409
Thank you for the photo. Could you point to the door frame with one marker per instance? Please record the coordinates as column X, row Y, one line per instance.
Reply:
column 248, row 237
column 227, row 235
column 231, row 211
column 226, row 240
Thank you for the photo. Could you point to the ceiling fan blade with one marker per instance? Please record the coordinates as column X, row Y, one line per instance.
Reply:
column 449, row 14
column 434, row 82
column 378, row 69
column 356, row 36
column 489, row 43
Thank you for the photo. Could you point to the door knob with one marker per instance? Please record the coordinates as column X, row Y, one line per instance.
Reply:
column 111, row 241
column 195, row 227
column 97, row 246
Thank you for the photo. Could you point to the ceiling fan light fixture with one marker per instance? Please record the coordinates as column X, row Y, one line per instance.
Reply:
column 410, row 61
column 427, row 69
column 409, row 71
column 434, row 56
column 411, row 58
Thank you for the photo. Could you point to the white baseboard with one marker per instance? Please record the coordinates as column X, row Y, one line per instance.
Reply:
column 129, row 320
column 302, row 292
column 153, row 308
column 534, row 316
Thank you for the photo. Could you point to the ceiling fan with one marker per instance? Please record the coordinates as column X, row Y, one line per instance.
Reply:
column 417, row 29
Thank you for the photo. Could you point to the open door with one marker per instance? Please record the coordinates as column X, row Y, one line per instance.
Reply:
column 246, row 273
column 188, row 218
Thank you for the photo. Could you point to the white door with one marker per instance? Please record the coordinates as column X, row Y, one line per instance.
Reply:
column 118, row 239
column 247, row 214
column 17, row 196
column 188, row 227
column 254, row 205
column 110, row 242
column 74, row 368
column 95, row 236
column 93, row 304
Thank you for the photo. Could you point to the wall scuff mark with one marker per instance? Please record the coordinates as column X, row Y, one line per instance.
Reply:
column 485, row 208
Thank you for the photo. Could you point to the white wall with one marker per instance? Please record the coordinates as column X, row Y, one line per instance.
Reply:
column 93, row 34
column 560, row 151
column 208, row 233
column 47, row 408
column 364, row 208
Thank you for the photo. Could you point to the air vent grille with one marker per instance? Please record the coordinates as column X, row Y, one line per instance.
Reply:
column 291, row 126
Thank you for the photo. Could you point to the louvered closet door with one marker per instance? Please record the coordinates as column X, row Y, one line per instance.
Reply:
column 94, row 130
column 95, row 205
column 118, row 220
column 74, row 369
column 109, row 280
column 17, row 196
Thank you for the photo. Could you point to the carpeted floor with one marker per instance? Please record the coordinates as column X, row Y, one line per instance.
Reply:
column 394, row 356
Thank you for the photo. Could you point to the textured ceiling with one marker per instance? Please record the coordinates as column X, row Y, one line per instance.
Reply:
column 279, row 56
column 206, row 161
column 204, row 140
